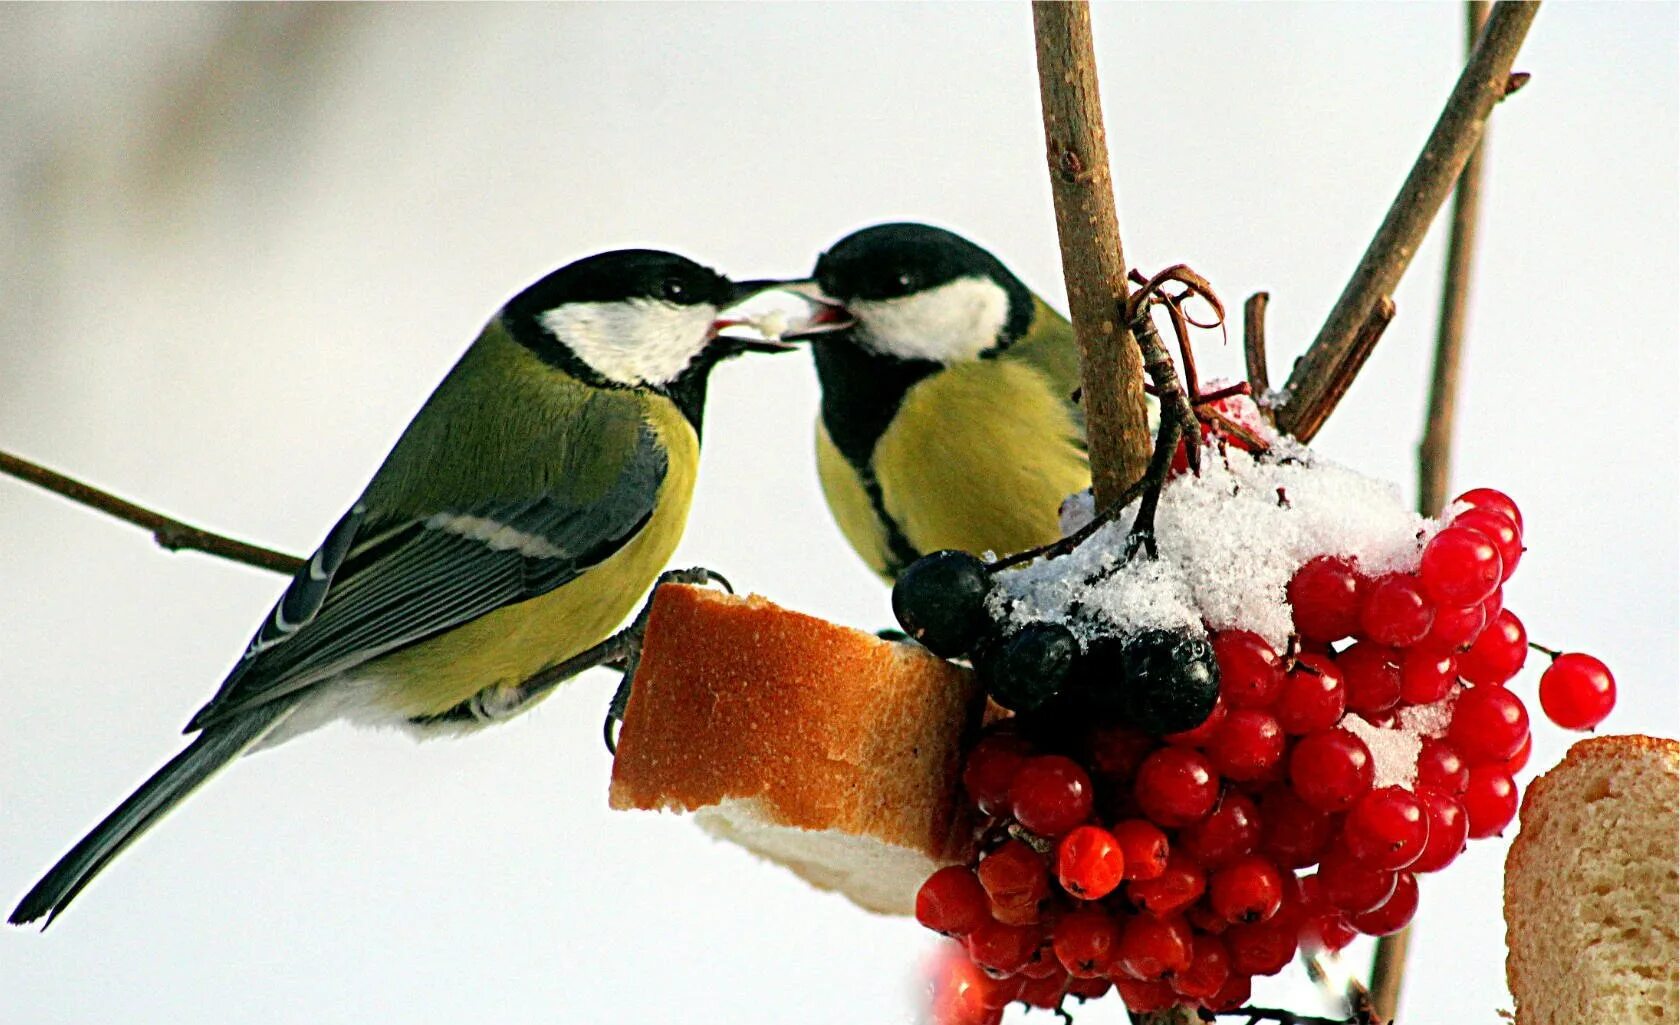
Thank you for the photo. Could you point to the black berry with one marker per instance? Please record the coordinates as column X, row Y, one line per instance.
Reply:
column 940, row 600
column 1171, row 681
column 1028, row 667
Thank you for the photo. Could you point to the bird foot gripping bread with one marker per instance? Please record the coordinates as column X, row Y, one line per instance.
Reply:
column 1591, row 896
column 820, row 747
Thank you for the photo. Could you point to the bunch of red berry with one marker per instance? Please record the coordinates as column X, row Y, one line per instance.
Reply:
column 1299, row 813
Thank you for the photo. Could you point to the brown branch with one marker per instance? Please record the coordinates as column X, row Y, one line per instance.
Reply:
column 166, row 531
column 1388, row 964
column 1254, row 346
column 1340, row 372
column 1093, row 263
column 1483, row 83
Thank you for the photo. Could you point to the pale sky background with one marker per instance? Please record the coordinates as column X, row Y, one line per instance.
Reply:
column 239, row 246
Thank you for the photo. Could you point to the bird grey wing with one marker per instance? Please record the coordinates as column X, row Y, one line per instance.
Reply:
column 401, row 583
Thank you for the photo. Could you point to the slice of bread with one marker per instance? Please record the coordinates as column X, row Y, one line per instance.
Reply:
column 819, row 747
column 1591, row 897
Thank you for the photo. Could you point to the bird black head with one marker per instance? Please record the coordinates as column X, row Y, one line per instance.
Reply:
column 633, row 318
column 923, row 293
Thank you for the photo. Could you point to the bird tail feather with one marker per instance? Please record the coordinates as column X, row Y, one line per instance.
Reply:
column 214, row 748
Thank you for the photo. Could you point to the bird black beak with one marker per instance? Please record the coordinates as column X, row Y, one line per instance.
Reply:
column 829, row 314
column 731, row 345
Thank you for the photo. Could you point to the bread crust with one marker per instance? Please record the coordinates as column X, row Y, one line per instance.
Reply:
column 1590, row 886
column 812, row 725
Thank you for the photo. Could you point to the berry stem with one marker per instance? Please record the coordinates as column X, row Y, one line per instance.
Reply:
column 1548, row 652
column 1063, row 546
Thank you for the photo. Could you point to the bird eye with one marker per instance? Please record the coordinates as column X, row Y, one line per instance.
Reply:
column 673, row 289
column 906, row 281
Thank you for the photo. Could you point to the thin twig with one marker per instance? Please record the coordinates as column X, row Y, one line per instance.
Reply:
column 1388, row 963
column 1093, row 262
column 1338, row 374
column 1435, row 451
column 1484, row 82
column 166, row 531
column 1254, row 348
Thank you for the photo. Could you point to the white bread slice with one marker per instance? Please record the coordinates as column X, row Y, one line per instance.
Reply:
column 1591, row 888
column 819, row 747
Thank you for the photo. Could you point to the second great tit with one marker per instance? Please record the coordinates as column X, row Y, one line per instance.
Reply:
column 948, row 418
column 516, row 522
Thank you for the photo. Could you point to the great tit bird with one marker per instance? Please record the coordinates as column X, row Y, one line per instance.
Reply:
column 948, row 418
column 518, row 519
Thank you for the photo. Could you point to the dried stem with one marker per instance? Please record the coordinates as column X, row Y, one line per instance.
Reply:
column 1388, row 964
column 1254, row 347
column 1093, row 262
column 166, row 531
column 1339, row 373
column 1484, row 82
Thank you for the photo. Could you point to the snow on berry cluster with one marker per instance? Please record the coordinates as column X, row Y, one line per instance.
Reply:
column 1254, row 743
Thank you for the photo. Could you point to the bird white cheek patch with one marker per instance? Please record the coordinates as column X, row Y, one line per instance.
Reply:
column 638, row 341
column 954, row 322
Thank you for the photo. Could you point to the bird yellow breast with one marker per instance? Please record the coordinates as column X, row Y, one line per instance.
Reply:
column 980, row 457
column 511, row 644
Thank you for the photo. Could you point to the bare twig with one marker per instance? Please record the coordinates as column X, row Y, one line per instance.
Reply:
column 167, row 531
column 1388, row 964
column 1254, row 347
column 1483, row 83
column 1093, row 262
column 1435, row 451
column 1339, row 373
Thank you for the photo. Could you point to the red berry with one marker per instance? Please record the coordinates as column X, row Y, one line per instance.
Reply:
column 1498, row 653
column 1490, row 802
column 1350, row 884
column 1089, row 863
column 1144, row 997
column 1386, row 828
column 1292, row 832
column 1313, row 696
column 1204, row 920
column 1232, row 995
column 1497, row 501
column 1175, row 786
column 1143, row 847
column 965, row 995
column 1454, row 629
column 1371, row 674
column 1043, row 964
column 952, row 901
column 1497, row 529
column 1232, row 830
column 1394, row 611
column 1327, row 929
column 1460, row 566
column 1324, row 597
column 1250, row 672
column 1014, row 875
column 1449, row 828
column 1489, row 724
column 1089, row 989
column 990, row 768
column 1247, row 745
column 1210, row 966
column 1577, row 691
column 1173, row 890
column 1200, row 735
column 1517, row 762
column 1491, row 608
column 1050, row 795
column 1426, row 676
column 1441, row 768
column 1047, row 991
column 1263, row 948
column 1002, row 949
column 1249, row 889
column 1392, row 914
column 1115, row 752
column 1085, row 941
column 1153, row 948
column 1329, row 769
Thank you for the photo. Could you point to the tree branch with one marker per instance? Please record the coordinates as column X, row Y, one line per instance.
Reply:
column 1388, row 964
column 1486, row 79
column 166, row 531
column 1093, row 263
column 1254, row 347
